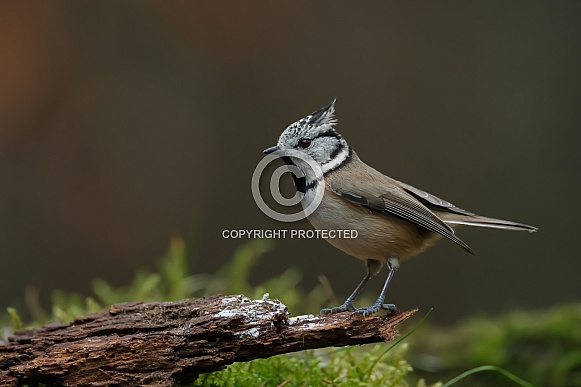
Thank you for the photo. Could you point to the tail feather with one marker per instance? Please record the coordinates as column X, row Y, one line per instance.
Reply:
column 481, row 221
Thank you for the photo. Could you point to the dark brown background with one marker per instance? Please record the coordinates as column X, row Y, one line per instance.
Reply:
column 122, row 124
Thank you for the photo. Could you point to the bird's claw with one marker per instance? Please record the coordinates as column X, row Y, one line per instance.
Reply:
column 338, row 309
column 391, row 308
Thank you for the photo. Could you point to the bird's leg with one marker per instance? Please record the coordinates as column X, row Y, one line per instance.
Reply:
column 393, row 265
column 348, row 304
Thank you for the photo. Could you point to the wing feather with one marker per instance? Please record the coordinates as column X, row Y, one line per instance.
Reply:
column 397, row 202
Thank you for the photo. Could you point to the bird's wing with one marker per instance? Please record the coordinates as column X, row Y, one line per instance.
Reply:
column 431, row 200
column 380, row 193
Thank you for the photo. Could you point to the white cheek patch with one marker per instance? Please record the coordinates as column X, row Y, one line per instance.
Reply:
column 337, row 161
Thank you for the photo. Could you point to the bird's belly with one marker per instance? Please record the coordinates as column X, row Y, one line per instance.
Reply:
column 378, row 236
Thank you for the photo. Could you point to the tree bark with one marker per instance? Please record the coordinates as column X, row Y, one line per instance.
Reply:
column 159, row 343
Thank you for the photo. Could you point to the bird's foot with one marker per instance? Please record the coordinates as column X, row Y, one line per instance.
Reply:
column 391, row 308
column 338, row 309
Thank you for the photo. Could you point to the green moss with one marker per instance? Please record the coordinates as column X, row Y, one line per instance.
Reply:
column 351, row 366
column 16, row 321
column 544, row 347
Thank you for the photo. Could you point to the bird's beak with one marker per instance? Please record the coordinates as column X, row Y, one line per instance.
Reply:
column 271, row 149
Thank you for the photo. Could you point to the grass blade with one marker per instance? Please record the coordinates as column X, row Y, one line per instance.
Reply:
column 501, row 371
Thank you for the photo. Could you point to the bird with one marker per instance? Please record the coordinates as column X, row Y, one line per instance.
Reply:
column 393, row 220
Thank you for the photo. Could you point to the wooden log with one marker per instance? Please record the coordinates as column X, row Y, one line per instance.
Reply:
column 159, row 343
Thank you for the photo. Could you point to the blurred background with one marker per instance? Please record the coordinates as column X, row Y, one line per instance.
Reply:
column 125, row 123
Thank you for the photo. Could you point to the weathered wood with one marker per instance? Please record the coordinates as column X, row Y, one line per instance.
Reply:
column 157, row 343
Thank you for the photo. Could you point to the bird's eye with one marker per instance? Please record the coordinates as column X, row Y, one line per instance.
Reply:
column 304, row 143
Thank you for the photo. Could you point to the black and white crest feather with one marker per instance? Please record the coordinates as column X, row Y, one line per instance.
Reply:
column 324, row 116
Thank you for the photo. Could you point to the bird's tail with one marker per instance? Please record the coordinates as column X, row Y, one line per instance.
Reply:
column 482, row 221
